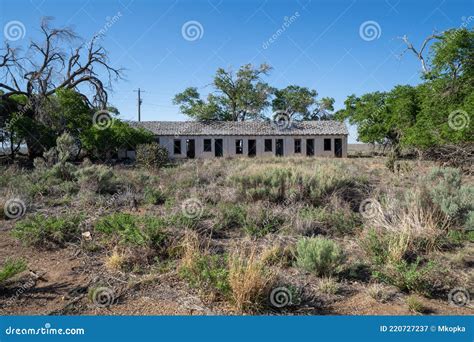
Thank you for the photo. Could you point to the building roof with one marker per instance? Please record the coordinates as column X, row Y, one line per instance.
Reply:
column 245, row 128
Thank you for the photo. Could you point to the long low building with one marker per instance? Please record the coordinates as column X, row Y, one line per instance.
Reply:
column 193, row 139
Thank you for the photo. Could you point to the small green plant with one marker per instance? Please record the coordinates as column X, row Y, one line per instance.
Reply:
column 97, row 178
column 41, row 230
column 407, row 276
column 230, row 216
column 262, row 221
column 132, row 230
column 151, row 155
column 208, row 273
column 319, row 255
column 10, row 268
column 153, row 196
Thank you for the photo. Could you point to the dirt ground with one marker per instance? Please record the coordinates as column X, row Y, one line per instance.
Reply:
column 58, row 283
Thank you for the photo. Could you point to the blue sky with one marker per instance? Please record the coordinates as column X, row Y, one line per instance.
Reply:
column 322, row 48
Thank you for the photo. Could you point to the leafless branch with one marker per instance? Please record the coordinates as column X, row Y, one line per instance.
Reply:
column 419, row 53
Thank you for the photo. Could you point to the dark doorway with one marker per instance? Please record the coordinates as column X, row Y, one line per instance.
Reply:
column 338, row 148
column 190, row 148
column 310, row 147
column 279, row 147
column 218, row 148
column 252, row 148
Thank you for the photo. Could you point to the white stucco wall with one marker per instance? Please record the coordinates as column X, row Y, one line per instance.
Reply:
column 230, row 150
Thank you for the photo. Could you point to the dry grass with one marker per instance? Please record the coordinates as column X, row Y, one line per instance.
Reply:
column 328, row 285
column 413, row 224
column 380, row 292
column 115, row 262
column 415, row 305
column 249, row 279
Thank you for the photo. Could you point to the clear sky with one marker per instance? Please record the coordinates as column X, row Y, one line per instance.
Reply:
column 324, row 45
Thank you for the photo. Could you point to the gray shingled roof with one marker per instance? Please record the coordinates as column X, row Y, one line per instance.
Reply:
column 242, row 128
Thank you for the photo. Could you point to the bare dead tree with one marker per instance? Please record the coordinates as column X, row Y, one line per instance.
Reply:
column 419, row 53
column 52, row 64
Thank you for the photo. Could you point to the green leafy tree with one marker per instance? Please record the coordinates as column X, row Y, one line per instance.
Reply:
column 301, row 103
column 437, row 112
column 237, row 97
column 104, row 143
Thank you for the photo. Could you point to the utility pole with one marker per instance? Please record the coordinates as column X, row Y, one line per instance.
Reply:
column 139, row 103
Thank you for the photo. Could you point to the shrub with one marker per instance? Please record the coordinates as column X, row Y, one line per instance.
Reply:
column 127, row 229
column 97, row 178
column 203, row 270
column 230, row 216
column 10, row 268
column 319, row 255
column 151, row 155
column 388, row 254
column 41, row 230
column 454, row 200
column 153, row 196
column 249, row 280
column 407, row 276
column 261, row 221
column 311, row 220
column 66, row 147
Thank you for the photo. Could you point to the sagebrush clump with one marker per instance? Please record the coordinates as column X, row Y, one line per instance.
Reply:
column 319, row 255
column 151, row 155
column 48, row 231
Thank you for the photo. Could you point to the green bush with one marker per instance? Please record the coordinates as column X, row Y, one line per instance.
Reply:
column 288, row 184
column 319, row 255
column 153, row 196
column 447, row 192
column 209, row 273
column 151, row 155
column 407, row 276
column 230, row 216
column 132, row 230
column 66, row 147
column 10, row 268
column 98, row 178
column 261, row 221
column 41, row 230
column 339, row 222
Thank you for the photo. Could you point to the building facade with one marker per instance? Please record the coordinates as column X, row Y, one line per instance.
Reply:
column 190, row 139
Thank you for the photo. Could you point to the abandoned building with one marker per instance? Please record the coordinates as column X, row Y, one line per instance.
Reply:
column 192, row 139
